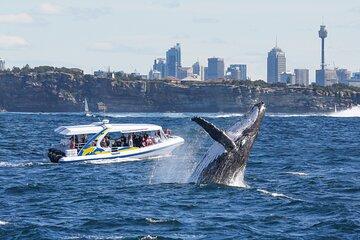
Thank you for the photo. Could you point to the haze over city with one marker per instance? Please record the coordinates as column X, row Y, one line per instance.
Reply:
column 128, row 35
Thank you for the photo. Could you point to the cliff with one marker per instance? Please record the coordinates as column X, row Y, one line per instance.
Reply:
column 56, row 91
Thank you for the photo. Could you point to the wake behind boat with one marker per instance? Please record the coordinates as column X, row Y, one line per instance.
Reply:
column 102, row 140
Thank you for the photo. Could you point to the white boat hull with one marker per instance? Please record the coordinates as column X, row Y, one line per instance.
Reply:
column 149, row 152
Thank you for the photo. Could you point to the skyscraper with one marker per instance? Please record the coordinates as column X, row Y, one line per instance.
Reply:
column 173, row 60
column 196, row 68
column 199, row 70
column 276, row 64
column 237, row 72
column 302, row 77
column 216, row 68
column 160, row 66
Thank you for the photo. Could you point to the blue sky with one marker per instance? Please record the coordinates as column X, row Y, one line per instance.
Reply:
column 129, row 34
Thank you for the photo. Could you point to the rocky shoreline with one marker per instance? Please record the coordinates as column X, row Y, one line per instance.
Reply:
column 57, row 91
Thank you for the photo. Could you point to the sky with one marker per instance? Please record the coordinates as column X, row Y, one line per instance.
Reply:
column 129, row 34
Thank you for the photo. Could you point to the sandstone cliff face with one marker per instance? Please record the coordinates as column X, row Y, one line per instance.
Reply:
column 57, row 92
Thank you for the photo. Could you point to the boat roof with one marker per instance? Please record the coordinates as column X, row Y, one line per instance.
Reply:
column 99, row 126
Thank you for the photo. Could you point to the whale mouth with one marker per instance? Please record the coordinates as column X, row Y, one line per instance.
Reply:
column 260, row 106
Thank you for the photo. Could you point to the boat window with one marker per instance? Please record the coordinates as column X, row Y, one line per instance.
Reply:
column 118, row 140
column 75, row 141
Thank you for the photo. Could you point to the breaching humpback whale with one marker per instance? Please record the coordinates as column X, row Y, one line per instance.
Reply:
column 226, row 159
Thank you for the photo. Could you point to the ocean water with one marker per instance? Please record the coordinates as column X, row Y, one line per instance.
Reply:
column 302, row 182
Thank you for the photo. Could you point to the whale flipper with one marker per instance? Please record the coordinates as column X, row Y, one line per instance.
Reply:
column 215, row 133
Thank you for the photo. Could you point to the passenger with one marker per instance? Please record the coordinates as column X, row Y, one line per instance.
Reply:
column 94, row 143
column 76, row 141
column 167, row 132
column 143, row 141
column 157, row 137
column 72, row 143
column 149, row 141
column 84, row 139
column 117, row 143
column 123, row 140
column 130, row 140
column 137, row 141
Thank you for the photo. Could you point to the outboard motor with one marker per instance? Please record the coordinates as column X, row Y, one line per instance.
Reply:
column 55, row 155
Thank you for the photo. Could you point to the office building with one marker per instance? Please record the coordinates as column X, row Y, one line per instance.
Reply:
column 173, row 61
column 276, row 64
column 154, row 75
column 196, row 68
column 160, row 66
column 215, row 69
column 183, row 72
column 326, row 77
column 343, row 76
column 199, row 70
column 237, row 72
column 287, row 78
column 302, row 77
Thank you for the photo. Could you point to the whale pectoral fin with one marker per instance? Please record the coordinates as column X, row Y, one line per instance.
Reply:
column 215, row 133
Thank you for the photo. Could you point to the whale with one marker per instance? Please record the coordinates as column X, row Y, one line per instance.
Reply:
column 225, row 161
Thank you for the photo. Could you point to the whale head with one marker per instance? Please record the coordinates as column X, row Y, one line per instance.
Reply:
column 227, row 157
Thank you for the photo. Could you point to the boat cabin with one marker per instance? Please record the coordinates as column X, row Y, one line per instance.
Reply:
column 103, row 137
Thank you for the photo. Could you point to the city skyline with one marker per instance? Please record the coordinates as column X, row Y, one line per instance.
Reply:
column 93, row 36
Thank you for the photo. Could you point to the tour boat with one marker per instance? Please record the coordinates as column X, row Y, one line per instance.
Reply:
column 123, row 142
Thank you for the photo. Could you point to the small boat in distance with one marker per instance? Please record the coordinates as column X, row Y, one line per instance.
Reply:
column 102, row 140
column 86, row 110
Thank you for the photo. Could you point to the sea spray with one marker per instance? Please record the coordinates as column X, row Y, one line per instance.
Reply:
column 178, row 167
column 350, row 112
column 238, row 179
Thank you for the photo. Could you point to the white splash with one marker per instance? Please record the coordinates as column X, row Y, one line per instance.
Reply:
column 298, row 173
column 3, row 222
column 275, row 194
column 350, row 112
column 238, row 180
column 177, row 168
